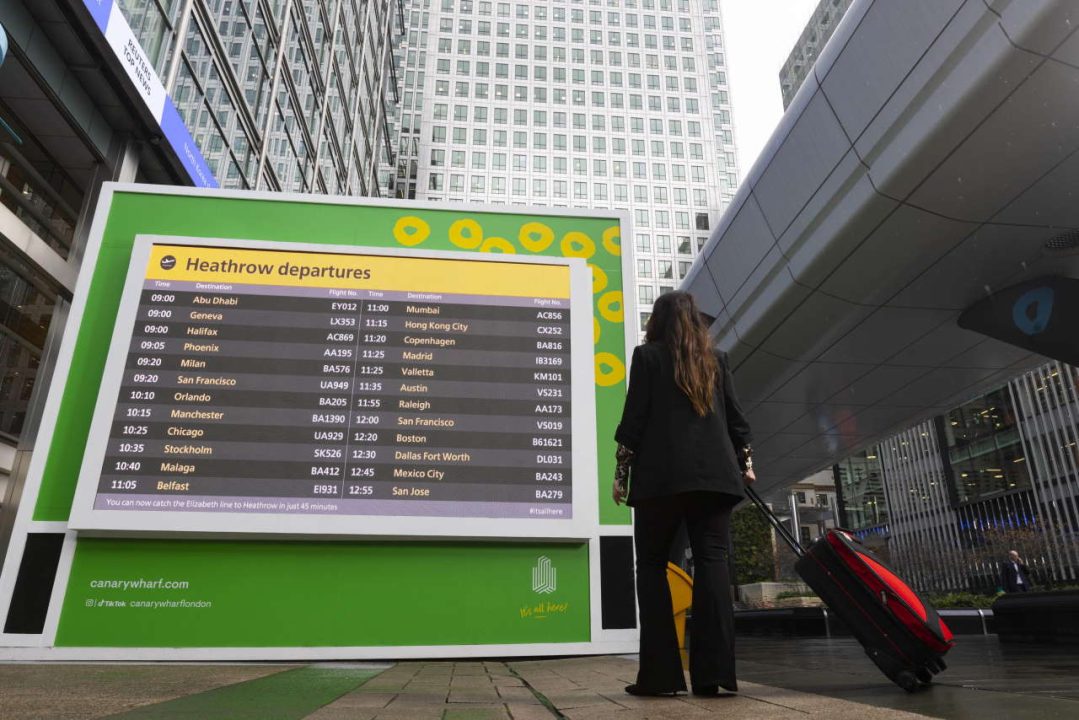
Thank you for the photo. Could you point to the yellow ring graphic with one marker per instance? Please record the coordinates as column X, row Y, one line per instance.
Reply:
column 612, row 240
column 472, row 240
column 595, row 331
column 535, row 244
column 614, row 373
column 410, row 230
column 497, row 244
column 599, row 278
column 610, row 306
column 577, row 244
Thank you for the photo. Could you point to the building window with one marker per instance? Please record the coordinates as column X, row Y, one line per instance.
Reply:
column 984, row 448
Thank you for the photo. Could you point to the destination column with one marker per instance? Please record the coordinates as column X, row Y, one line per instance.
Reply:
column 477, row 398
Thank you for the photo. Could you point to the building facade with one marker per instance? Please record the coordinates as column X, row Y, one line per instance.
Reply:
column 279, row 95
column 572, row 104
column 1000, row 472
column 813, row 506
column 808, row 48
column 808, row 509
column 271, row 95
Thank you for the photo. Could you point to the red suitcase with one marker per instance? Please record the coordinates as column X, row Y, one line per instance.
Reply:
column 900, row 631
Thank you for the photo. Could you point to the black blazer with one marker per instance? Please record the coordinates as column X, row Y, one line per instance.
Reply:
column 676, row 450
column 1011, row 577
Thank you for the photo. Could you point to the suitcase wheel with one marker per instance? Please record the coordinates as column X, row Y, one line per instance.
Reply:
column 907, row 680
column 924, row 675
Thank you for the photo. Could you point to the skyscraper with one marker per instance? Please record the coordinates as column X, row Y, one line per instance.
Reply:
column 808, row 48
column 574, row 104
column 278, row 95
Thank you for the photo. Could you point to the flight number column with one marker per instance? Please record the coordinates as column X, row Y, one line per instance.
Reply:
column 552, row 440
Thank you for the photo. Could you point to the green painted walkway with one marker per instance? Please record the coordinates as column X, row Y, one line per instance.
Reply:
column 288, row 695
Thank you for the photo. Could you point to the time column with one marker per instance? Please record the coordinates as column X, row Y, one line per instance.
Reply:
column 366, row 428
column 141, row 396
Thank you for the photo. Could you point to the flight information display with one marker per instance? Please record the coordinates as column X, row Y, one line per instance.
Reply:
column 285, row 382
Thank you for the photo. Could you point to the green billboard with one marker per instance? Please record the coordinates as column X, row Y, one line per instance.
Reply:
column 290, row 596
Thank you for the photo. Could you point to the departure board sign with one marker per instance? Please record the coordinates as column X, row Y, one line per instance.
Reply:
column 282, row 388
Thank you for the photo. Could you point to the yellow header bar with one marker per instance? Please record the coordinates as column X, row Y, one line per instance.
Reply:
column 191, row 263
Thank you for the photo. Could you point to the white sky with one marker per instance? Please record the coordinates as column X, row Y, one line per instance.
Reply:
column 760, row 35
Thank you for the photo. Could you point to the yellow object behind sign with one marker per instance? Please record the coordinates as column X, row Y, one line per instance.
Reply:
column 681, row 598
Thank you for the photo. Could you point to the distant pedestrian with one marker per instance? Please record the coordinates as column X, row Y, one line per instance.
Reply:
column 685, row 443
column 1015, row 573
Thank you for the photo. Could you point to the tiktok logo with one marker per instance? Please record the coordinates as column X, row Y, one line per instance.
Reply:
column 544, row 576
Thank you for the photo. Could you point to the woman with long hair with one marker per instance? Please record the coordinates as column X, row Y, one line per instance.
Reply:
column 686, row 446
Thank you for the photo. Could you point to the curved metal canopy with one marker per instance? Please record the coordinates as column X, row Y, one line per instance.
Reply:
column 925, row 163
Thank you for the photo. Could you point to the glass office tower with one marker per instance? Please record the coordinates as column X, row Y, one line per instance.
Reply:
column 285, row 95
column 573, row 103
column 999, row 472
column 279, row 95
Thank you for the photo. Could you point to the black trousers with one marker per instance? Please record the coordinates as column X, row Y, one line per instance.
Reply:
column 711, row 633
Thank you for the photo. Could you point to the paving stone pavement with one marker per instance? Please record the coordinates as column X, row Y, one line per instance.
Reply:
column 781, row 679
column 572, row 688
column 589, row 688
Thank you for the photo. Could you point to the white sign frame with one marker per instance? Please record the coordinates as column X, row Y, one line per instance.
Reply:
column 89, row 520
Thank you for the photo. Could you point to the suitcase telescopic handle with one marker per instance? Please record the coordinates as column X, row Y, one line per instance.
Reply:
column 782, row 530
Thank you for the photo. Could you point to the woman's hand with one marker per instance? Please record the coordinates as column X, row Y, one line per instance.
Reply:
column 749, row 477
column 618, row 493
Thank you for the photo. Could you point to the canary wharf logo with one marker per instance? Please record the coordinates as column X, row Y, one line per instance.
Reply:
column 544, row 576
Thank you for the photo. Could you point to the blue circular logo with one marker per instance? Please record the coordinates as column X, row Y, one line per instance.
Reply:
column 1032, row 310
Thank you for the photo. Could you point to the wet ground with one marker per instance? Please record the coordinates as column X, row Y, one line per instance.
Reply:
column 985, row 678
column 780, row 679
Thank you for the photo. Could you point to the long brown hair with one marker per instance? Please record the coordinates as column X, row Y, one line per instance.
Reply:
column 675, row 322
